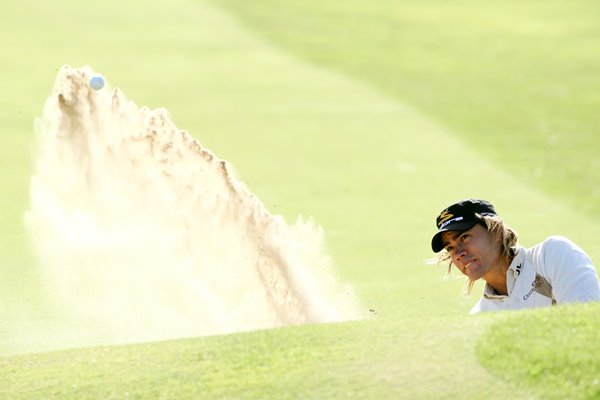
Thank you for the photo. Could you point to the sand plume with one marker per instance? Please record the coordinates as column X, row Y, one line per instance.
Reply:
column 142, row 231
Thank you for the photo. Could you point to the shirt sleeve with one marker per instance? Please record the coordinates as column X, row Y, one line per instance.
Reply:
column 569, row 270
column 477, row 308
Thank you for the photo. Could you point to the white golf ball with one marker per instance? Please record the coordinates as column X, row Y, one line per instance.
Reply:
column 97, row 82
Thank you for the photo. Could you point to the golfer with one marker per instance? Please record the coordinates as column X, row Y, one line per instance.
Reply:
column 476, row 240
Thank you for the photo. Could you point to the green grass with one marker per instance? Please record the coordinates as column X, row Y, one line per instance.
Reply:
column 368, row 359
column 518, row 81
column 369, row 117
column 554, row 350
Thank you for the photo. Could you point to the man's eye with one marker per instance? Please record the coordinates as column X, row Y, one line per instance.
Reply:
column 449, row 248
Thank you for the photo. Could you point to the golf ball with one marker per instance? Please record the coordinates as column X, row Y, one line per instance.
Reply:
column 97, row 82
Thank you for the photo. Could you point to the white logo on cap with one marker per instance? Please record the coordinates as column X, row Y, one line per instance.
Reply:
column 451, row 221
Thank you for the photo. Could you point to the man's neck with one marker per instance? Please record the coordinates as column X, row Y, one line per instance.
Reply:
column 496, row 277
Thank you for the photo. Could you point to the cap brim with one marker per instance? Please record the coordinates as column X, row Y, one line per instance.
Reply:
column 436, row 242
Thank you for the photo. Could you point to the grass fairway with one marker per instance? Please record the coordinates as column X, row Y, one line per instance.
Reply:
column 517, row 80
column 549, row 353
column 326, row 111
column 554, row 351
column 366, row 359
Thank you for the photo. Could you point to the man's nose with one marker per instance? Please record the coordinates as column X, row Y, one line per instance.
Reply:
column 459, row 252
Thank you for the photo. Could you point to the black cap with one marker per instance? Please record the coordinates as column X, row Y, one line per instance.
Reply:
column 459, row 216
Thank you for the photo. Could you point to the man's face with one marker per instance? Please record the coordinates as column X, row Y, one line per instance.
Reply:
column 474, row 252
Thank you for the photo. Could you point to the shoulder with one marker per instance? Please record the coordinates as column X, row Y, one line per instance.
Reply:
column 559, row 241
column 558, row 253
column 554, row 245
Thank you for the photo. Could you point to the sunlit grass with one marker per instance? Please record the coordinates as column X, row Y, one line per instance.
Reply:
column 554, row 350
column 516, row 80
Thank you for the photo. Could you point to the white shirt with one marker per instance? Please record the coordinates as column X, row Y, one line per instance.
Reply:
column 556, row 267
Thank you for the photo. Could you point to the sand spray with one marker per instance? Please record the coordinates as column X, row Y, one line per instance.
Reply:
column 143, row 234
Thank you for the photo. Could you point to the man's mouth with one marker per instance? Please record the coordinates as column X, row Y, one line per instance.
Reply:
column 469, row 265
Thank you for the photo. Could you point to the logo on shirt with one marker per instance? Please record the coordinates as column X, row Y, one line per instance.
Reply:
column 530, row 291
column 518, row 269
